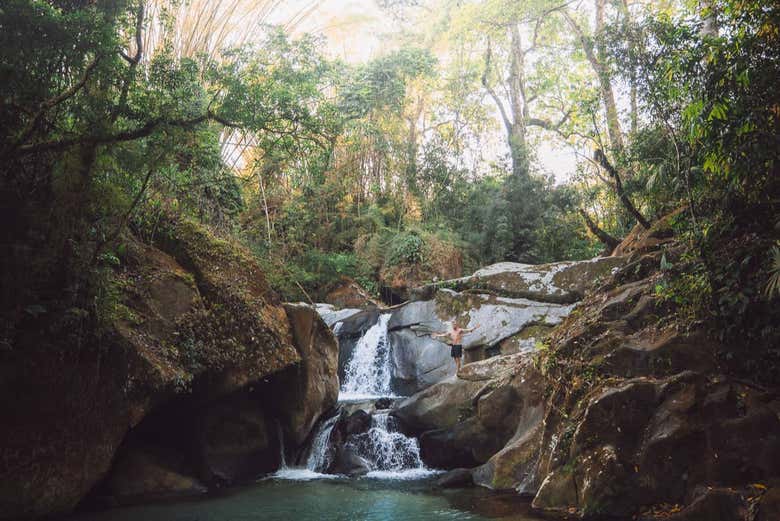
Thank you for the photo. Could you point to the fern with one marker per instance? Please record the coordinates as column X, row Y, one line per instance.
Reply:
column 773, row 284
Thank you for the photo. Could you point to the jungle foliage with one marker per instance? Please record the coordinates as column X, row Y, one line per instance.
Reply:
column 326, row 169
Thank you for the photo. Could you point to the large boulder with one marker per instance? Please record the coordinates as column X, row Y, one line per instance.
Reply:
column 514, row 409
column 504, row 419
column 349, row 463
column 198, row 318
column 306, row 390
column 651, row 441
column 419, row 361
column 467, row 420
column 442, row 405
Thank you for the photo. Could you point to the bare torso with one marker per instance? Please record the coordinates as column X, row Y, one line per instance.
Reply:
column 456, row 336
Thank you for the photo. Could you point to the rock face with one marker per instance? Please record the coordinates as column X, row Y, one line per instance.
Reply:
column 144, row 474
column 466, row 421
column 666, row 437
column 238, row 441
column 560, row 282
column 621, row 415
column 306, row 390
column 420, row 360
column 194, row 320
column 439, row 406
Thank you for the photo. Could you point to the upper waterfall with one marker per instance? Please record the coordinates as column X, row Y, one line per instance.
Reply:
column 368, row 372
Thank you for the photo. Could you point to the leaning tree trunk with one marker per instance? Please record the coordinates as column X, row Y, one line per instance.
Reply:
column 602, row 160
column 606, row 239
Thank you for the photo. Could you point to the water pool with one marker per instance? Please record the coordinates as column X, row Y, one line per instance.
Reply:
column 335, row 499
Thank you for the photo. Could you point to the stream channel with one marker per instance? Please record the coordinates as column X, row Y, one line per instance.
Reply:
column 398, row 486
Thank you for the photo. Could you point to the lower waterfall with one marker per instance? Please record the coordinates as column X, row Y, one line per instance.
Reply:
column 386, row 452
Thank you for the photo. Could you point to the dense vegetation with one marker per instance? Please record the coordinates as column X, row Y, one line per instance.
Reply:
column 118, row 115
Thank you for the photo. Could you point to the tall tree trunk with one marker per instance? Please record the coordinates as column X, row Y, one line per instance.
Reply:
column 513, row 117
column 632, row 80
column 517, row 130
column 710, row 27
column 596, row 55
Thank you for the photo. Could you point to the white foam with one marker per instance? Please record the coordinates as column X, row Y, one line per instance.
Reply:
column 403, row 475
column 300, row 474
column 347, row 397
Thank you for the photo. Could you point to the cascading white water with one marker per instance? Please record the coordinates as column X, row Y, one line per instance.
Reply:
column 386, row 449
column 389, row 453
column 319, row 456
column 368, row 372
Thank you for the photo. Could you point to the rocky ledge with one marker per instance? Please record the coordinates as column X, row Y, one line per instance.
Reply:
column 620, row 413
column 515, row 306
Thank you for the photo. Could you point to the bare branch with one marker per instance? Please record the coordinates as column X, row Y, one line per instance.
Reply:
column 139, row 25
column 543, row 123
column 53, row 102
column 127, row 135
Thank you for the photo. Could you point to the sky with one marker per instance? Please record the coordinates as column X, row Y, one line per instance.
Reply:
column 358, row 30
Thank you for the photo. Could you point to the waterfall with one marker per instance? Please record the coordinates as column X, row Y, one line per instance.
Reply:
column 389, row 453
column 282, row 457
column 368, row 372
column 319, row 456
column 387, row 450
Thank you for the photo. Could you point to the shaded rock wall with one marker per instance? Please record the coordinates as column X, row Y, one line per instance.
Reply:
column 194, row 323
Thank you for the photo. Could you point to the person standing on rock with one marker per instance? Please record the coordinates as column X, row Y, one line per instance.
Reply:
column 456, row 337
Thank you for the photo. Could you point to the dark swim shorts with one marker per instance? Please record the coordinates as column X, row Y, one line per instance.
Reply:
column 456, row 351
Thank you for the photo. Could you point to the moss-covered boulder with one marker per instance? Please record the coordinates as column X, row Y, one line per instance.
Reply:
column 193, row 317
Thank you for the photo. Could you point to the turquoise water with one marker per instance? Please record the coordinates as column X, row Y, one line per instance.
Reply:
column 331, row 499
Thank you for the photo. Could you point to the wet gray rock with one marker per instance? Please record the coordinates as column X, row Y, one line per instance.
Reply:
column 455, row 478
column 439, row 406
column 418, row 361
column 349, row 463
column 357, row 423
